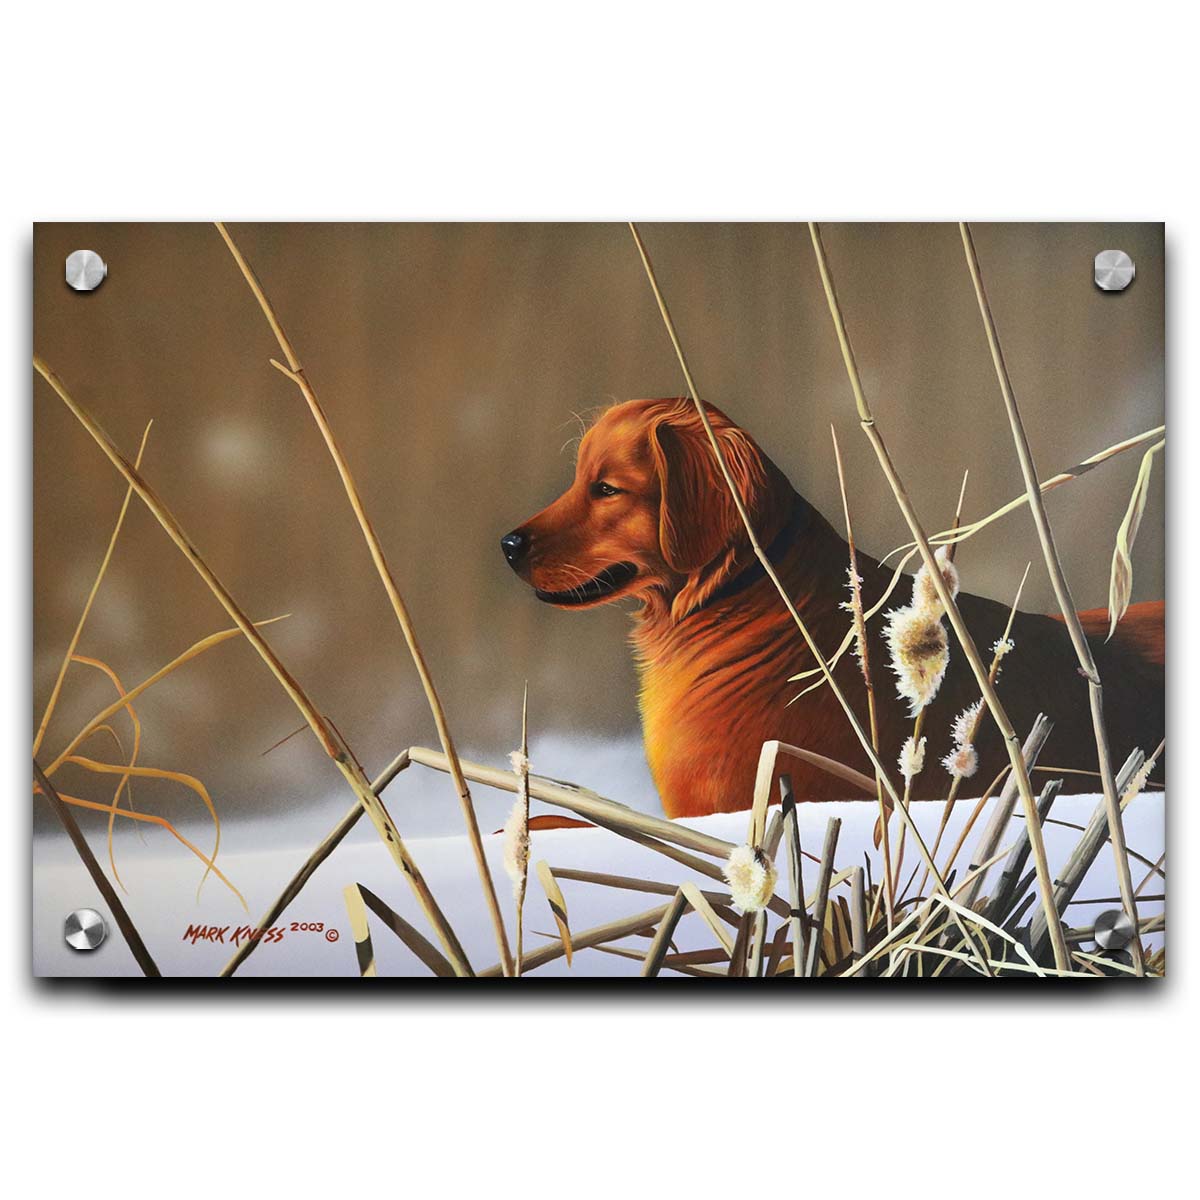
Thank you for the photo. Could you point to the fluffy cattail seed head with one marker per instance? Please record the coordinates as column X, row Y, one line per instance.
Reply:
column 962, row 761
column 855, row 608
column 751, row 877
column 919, row 652
column 925, row 597
column 516, row 846
column 912, row 758
column 1139, row 781
column 964, row 723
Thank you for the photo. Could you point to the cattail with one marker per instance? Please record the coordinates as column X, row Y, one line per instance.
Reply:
column 962, row 761
column 925, row 597
column 516, row 829
column 751, row 877
column 1139, row 781
column 920, row 653
column 516, row 846
column 964, row 723
column 855, row 608
column 912, row 758
column 1001, row 647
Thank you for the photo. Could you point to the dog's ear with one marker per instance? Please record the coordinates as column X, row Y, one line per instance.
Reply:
column 700, row 530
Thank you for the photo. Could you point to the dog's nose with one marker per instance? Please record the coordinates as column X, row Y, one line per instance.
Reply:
column 514, row 546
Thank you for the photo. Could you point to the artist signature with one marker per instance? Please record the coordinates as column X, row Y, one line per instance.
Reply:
column 235, row 935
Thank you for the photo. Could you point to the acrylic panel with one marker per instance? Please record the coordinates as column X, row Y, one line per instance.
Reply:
column 580, row 601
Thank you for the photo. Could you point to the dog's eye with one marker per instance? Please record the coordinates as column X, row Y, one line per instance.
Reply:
column 604, row 489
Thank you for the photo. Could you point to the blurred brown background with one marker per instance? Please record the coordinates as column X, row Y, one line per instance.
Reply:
column 450, row 360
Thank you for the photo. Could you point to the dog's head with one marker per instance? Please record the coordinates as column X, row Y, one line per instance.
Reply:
column 649, row 513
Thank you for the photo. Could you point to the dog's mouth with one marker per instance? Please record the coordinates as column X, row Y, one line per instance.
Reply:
column 607, row 583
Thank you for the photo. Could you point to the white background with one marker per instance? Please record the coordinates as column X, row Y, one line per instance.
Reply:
column 272, row 111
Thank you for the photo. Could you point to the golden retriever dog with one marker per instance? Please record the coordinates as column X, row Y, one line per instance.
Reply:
column 649, row 518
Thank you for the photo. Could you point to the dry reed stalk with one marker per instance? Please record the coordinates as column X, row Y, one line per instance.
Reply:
column 151, row 819
column 695, row 897
column 1086, row 850
column 768, row 756
column 970, row 652
column 824, row 873
column 758, row 937
column 669, row 963
column 663, row 934
column 1147, row 925
column 295, row 372
column 958, row 508
column 769, row 568
column 779, row 947
column 888, row 891
column 331, row 741
column 918, row 726
column 774, row 835
column 901, row 952
column 1003, row 810
column 979, row 869
column 610, row 931
column 129, row 932
column 327, row 846
column 188, row 781
column 1120, row 587
column 87, row 607
column 126, row 700
column 360, row 931
column 969, row 824
column 1062, row 592
column 949, row 537
column 1156, row 869
column 123, row 784
column 708, row 956
column 741, row 945
column 985, row 923
column 523, row 797
column 1110, row 964
column 630, row 883
column 558, row 905
column 582, row 802
column 998, row 653
column 358, row 900
column 1007, row 891
column 888, row 943
column 699, row 865
column 858, row 913
column 798, row 914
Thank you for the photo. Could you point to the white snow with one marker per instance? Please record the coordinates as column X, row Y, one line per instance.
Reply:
column 161, row 879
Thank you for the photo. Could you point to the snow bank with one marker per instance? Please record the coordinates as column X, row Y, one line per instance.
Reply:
column 161, row 879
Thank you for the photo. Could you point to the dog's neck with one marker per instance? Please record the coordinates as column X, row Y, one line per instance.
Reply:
column 804, row 551
column 792, row 529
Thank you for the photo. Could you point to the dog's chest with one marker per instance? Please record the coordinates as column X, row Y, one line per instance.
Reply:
column 704, row 717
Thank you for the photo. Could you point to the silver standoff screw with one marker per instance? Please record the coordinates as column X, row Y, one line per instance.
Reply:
column 1114, row 930
column 85, row 270
column 1114, row 270
column 84, row 929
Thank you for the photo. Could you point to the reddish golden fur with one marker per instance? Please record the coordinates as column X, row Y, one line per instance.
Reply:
column 714, row 666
